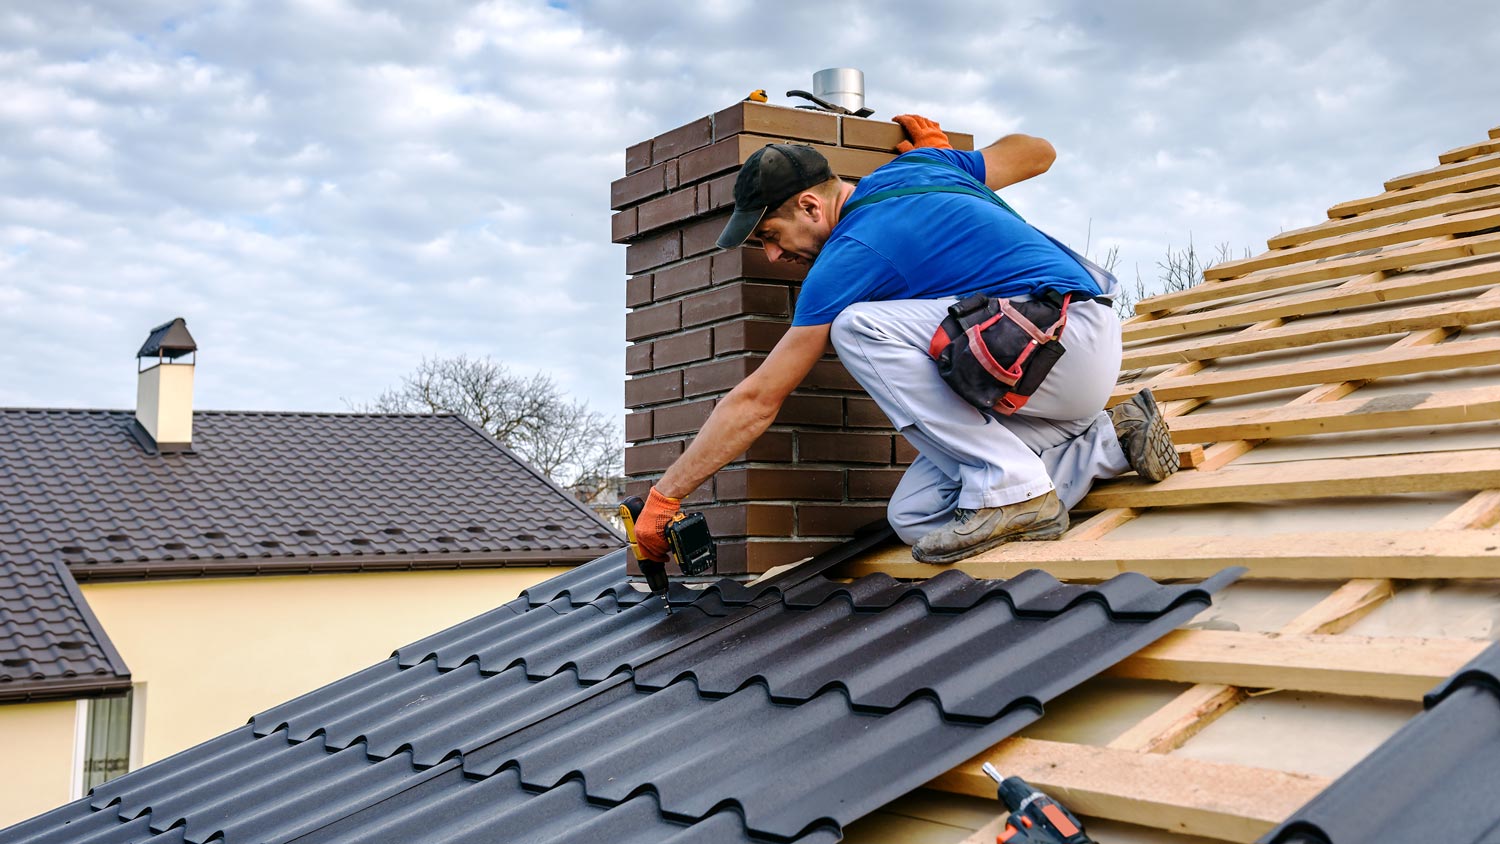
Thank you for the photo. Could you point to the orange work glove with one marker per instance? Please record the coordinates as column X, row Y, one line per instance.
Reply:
column 923, row 133
column 651, row 527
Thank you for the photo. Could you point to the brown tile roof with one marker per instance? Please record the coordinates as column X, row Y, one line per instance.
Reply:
column 81, row 497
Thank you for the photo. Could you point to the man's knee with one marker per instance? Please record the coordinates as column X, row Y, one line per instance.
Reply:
column 909, row 524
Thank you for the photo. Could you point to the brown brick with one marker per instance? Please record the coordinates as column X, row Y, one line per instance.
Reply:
column 904, row 453
column 653, row 389
column 703, row 236
column 637, row 358
column 652, row 252
column 701, row 195
column 638, row 427
column 751, row 262
column 751, row 520
column 873, row 483
column 637, row 157
column 811, row 410
column 719, row 192
column 669, row 210
column 681, row 418
column 683, row 278
column 702, row 495
column 747, row 335
column 829, row 375
column 634, row 188
column 637, row 487
column 779, row 121
column 673, row 174
column 771, row 447
column 836, row 519
column 843, row 447
column 638, row 291
column 709, row 161
column 763, row 484
column 864, row 413
column 682, row 139
column 655, row 457
column 719, row 376
column 736, row 300
column 653, row 320
column 883, row 135
column 622, row 226
column 683, row 348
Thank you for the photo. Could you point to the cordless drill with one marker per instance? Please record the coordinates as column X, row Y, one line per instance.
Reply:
column 1034, row 818
column 688, row 535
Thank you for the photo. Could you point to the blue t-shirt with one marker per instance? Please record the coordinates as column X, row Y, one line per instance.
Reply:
column 931, row 245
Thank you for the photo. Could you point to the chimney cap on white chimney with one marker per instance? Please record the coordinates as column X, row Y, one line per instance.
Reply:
column 169, row 340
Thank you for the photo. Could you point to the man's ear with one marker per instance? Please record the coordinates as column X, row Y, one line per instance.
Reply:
column 811, row 204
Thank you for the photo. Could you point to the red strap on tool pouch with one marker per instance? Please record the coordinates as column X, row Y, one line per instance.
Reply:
column 991, row 351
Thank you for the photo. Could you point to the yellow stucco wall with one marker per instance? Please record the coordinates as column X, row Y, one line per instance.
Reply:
column 212, row 652
column 37, row 769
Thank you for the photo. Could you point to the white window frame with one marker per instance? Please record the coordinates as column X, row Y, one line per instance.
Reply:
column 81, row 737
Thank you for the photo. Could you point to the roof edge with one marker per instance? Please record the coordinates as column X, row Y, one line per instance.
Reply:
column 540, row 476
column 111, row 654
column 61, row 689
column 345, row 564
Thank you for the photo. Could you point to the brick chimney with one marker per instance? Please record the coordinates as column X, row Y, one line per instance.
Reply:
column 701, row 318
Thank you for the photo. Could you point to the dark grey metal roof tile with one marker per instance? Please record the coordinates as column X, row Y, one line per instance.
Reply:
column 775, row 712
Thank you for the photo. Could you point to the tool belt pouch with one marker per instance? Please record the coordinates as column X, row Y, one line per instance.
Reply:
column 994, row 352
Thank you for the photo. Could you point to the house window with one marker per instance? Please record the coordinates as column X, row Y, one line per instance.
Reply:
column 106, row 748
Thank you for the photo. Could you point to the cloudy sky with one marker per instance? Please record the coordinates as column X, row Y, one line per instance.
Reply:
column 328, row 190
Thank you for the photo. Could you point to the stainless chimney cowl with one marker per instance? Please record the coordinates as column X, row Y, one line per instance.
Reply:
column 842, row 86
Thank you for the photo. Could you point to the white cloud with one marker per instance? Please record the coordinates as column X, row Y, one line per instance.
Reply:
column 330, row 190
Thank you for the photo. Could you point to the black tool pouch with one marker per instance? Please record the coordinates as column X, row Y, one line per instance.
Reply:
column 992, row 351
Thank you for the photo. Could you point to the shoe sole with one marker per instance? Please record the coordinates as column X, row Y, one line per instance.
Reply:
column 1051, row 530
column 1158, row 458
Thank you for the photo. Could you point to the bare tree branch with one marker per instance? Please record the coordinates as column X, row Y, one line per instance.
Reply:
column 577, row 447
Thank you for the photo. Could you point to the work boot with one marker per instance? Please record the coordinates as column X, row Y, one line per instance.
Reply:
column 972, row 531
column 1144, row 436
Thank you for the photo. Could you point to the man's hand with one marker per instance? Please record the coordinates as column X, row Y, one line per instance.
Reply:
column 651, row 527
column 923, row 133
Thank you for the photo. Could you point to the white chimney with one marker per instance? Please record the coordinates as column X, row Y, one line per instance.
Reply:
column 164, row 391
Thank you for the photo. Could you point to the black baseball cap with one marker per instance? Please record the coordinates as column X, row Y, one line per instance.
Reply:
column 770, row 176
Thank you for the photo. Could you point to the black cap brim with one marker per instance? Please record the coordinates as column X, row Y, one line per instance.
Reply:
column 741, row 223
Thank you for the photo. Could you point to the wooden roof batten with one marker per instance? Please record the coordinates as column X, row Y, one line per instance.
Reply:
column 1414, row 272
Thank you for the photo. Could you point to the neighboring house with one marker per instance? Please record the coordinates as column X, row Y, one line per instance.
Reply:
column 1337, row 400
column 163, row 571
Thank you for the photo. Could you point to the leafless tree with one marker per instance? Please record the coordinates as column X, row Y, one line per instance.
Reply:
column 577, row 447
column 1178, row 270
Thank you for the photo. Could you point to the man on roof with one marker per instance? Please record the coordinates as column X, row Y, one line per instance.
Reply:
column 887, row 260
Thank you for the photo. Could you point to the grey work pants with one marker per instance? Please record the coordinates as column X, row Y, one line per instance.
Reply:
column 1061, row 439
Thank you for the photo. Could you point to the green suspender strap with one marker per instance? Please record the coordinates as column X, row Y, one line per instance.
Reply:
column 1103, row 278
column 971, row 190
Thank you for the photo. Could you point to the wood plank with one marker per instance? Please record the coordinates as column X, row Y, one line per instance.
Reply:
column 1405, row 410
column 1444, row 204
column 1495, row 132
column 1377, row 260
column 1389, row 668
column 1169, row 727
column 1481, row 511
column 1405, row 286
column 1444, row 171
column 1456, row 184
column 1229, row 802
column 1421, row 229
column 1186, row 715
column 1484, row 147
column 1396, row 555
column 1348, row 604
column 1391, row 474
column 1365, row 366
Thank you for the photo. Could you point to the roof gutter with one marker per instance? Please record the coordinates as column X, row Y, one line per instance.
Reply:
column 329, row 564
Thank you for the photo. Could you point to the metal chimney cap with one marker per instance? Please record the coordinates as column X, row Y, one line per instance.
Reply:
column 168, row 340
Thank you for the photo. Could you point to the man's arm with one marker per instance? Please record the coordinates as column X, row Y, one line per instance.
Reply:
column 743, row 415
column 1015, row 158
